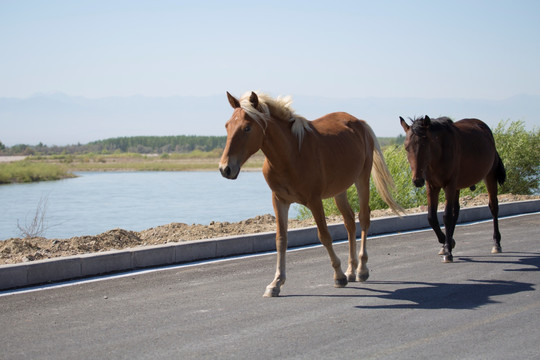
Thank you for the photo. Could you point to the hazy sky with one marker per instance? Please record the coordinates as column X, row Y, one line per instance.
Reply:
column 433, row 49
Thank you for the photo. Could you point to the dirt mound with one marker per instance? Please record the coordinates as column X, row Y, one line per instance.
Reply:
column 22, row 250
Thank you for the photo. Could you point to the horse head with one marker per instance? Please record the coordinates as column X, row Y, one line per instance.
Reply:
column 417, row 143
column 244, row 138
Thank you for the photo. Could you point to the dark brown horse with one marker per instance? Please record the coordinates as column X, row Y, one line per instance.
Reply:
column 452, row 156
column 307, row 161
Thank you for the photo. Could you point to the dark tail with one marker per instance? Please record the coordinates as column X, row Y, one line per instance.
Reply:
column 500, row 171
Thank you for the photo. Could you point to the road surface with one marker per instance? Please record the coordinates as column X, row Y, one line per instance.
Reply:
column 482, row 306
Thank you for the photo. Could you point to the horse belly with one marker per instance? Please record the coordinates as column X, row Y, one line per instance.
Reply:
column 342, row 172
column 342, row 165
column 475, row 165
column 289, row 189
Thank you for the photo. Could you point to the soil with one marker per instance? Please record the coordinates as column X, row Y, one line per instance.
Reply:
column 17, row 250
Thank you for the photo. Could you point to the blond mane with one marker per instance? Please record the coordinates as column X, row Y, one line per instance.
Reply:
column 278, row 108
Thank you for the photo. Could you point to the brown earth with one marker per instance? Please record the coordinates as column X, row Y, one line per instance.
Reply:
column 17, row 250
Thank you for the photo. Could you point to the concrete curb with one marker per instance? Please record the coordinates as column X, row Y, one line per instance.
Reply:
column 81, row 266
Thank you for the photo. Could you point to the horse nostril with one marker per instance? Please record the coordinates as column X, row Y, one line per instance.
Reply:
column 225, row 171
column 418, row 182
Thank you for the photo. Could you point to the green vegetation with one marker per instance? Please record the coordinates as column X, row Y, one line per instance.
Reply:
column 52, row 167
column 27, row 171
column 162, row 144
column 134, row 144
column 519, row 150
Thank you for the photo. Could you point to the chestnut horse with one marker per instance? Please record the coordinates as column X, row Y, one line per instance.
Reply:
column 453, row 156
column 307, row 161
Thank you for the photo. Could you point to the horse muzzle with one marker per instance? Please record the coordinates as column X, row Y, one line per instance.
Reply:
column 419, row 182
column 228, row 171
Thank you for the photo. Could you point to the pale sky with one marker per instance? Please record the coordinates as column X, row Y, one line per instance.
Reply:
column 431, row 49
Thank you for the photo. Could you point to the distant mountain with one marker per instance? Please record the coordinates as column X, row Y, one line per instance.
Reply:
column 60, row 119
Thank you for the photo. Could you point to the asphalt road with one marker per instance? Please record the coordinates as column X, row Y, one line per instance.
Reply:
column 482, row 306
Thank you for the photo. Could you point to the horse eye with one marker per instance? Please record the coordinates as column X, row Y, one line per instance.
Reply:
column 247, row 128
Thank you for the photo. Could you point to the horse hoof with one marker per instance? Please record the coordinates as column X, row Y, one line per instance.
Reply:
column 362, row 276
column 452, row 242
column 496, row 250
column 339, row 283
column 448, row 258
column 351, row 277
column 271, row 292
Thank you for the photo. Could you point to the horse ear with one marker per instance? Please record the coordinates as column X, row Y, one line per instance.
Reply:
column 232, row 100
column 254, row 100
column 427, row 121
column 404, row 124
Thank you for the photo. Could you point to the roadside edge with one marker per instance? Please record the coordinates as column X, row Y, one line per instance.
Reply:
column 86, row 265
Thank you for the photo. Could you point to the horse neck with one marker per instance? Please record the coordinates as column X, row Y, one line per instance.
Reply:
column 279, row 144
column 435, row 149
column 443, row 148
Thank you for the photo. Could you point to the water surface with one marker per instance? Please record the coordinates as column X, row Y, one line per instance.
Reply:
column 96, row 202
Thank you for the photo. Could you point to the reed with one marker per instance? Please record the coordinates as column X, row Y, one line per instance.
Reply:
column 25, row 171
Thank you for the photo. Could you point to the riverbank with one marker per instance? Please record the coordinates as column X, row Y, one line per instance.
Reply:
column 17, row 250
column 8, row 159
column 192, row 161
column 22, row 169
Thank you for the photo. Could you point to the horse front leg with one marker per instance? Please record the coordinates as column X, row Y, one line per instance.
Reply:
column 451, row 213
column 432, row 203
column 281, row 210
column 316, row 207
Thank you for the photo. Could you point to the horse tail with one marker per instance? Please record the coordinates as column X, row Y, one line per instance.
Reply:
column 381, row 176
column 500, row 171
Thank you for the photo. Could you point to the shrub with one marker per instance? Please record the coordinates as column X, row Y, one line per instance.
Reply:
column 27, row 171
column 37, row 225
column 520, row 153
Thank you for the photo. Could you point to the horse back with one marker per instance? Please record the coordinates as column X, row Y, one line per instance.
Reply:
column 338, row 149
column 474, row 134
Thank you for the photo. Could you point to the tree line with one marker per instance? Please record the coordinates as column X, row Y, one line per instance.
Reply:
column 133, row 144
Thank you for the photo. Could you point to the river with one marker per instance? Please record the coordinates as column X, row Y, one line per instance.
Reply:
column 96, row 202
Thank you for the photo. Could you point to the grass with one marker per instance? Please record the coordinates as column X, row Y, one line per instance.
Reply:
column 28, row 171
column 195, row 161
column 55, row 167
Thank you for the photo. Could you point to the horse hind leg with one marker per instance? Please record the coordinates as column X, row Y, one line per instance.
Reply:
column 348, row 218
column 364, row 212
column 316, row 207
column 491, row 185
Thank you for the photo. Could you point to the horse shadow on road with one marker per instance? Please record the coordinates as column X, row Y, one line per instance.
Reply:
column 471, row 294
column 529, row 261
column 429, row 295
